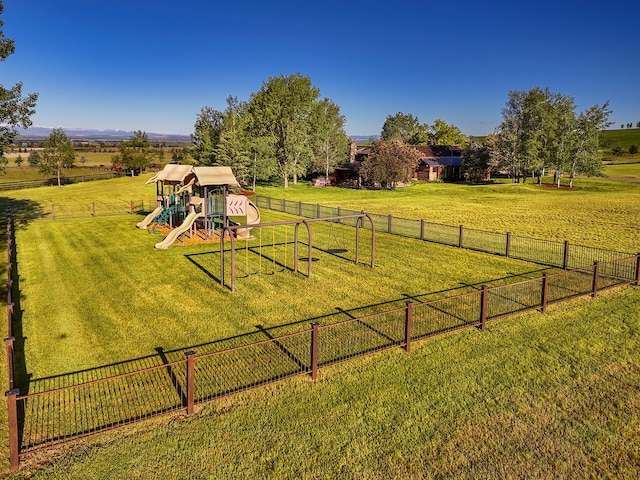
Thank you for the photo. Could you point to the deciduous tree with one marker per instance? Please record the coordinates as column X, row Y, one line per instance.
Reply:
column 135, row 153
column 15, row 110
column 401, row 126
column 390, row 162
column 280, row 116
column 57, row 155
column 331, row 141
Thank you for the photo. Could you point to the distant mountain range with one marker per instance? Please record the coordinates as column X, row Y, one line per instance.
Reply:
column 37, row 133
column 40, row 133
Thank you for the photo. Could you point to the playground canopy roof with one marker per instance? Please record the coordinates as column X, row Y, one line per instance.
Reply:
column 215, row 176
column 205, row 176
column 172, row 173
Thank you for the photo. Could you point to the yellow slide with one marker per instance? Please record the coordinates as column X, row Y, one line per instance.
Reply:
column 149, row 218
column 184, row 226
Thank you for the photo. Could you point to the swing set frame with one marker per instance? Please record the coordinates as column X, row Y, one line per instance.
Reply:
column 230, row 231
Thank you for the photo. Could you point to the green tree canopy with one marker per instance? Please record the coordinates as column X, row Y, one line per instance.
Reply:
column 135, row 153
column 540, row 131
column 404, row 127
column 15, row 110
column 57, row 155
column 280, row 117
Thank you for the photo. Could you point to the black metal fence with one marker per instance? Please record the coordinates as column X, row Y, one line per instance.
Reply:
column 536, row 250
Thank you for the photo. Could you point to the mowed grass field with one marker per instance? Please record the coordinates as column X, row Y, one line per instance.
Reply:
column 551, row 395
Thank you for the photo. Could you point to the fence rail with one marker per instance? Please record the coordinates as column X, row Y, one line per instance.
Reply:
column 54, row 181
column 546, row 252
column 43, row 418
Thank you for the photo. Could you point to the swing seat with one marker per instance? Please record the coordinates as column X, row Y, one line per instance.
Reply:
column 336, row 250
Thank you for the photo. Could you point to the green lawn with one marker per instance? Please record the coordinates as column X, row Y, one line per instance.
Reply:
column 631, row 170
column 597, row 212
column 537, row 395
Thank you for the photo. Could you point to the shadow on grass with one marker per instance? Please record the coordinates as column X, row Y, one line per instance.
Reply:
column 22, row 213
column 165, row 356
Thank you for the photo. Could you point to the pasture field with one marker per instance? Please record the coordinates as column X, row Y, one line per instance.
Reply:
column 540, row 395
column 629, row 170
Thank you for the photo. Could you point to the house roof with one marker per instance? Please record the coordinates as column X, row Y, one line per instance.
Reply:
column 441, row 161
column 439, row 150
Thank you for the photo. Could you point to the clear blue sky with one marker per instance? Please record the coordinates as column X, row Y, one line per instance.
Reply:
column 152, row 65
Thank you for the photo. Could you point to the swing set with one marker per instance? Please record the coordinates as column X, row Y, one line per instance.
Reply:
column 278, row 262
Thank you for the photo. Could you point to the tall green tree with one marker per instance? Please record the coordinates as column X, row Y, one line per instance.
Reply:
column 135, row 153
column 404, row 127
column 280, row 115
column 390, row 162
column 57, row 155
column 331, row 141
column 232, row 147
column 208, row 130
column 540, row 131
column 585, row 156
column 441, row 133
column 15, row 110
column 480, row 161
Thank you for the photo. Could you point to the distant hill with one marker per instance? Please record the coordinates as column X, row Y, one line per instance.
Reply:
column 623, row 137
column 40, row 133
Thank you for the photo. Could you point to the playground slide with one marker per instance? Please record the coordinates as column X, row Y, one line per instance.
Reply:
column 253, row 217
column 173, row 234
column 149, row 218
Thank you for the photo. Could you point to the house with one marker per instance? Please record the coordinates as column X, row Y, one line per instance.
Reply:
column 439, row 162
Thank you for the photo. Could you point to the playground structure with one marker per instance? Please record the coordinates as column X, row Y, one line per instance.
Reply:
column 357, row 221
column 197, row 200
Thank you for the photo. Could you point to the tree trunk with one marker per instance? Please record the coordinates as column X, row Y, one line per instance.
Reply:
column 295, row 178
column 286, row 181
column 58, row 172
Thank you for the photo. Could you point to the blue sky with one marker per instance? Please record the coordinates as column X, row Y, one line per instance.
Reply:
column 152, row 65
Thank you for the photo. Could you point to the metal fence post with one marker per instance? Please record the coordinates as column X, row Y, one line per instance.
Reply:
column 8, row 342
column 460, row 236
column 12, row 411
column 300, row 209
column 422, row 229
column 408, row 326
column 507, row 251
column 389, row 223
column 483, row 307
column 545, row 291
column 53, row 211
column 638, row 269
column 565, row 258
column 596, row 271
column 190, row 380
column 314, row 350
column 317, row 210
